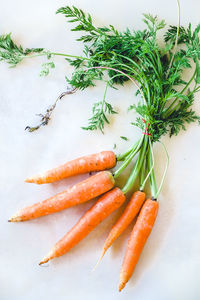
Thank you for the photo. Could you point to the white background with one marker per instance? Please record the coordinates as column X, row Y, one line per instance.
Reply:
column 169, row 267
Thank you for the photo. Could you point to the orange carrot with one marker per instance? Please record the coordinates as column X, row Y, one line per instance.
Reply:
column 137, row 240
column 96, row 214
column 79, row 193
column 126, row 218
column 90, row 163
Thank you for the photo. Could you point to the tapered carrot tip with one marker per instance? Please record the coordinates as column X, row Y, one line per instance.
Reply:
column 102, row 255
column 30, row 180
column 122, row 282
column 121, row 286
column 15, row 218
column 99, row 260
column 45, row 259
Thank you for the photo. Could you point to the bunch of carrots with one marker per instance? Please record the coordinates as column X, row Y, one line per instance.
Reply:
column 165, row 107
column 111, row 197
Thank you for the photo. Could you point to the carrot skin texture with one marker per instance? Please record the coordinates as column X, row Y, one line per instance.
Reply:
column 126, row 218
column 90, row 163
column 137, row 240
column 95, row 215
column 79, row 193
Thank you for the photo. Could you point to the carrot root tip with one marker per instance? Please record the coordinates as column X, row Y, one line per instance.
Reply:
column 99, row 260
column 15, row 218
column 44, row 261
column 29, row 180
column 121, row 286
column 123, row 280
column 48, row 257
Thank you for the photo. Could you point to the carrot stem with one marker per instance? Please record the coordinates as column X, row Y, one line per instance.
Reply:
column 165, row 172
column 137, row 166
column 57, row 54
column 142, row 185
column 123, row 156
column 142, row 174
column 168, row 112
column 152, row 179
column 129, row 158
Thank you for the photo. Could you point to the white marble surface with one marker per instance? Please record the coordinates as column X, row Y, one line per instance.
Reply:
column 169, row 268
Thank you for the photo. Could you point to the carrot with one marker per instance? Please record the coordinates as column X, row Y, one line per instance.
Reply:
column 95, row 215
column 94, row 162
column 128, row 215
column 137, row 240
column 79, row 193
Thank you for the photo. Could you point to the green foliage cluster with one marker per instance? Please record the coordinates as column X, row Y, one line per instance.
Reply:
column 139, row 55
column 165, row 97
